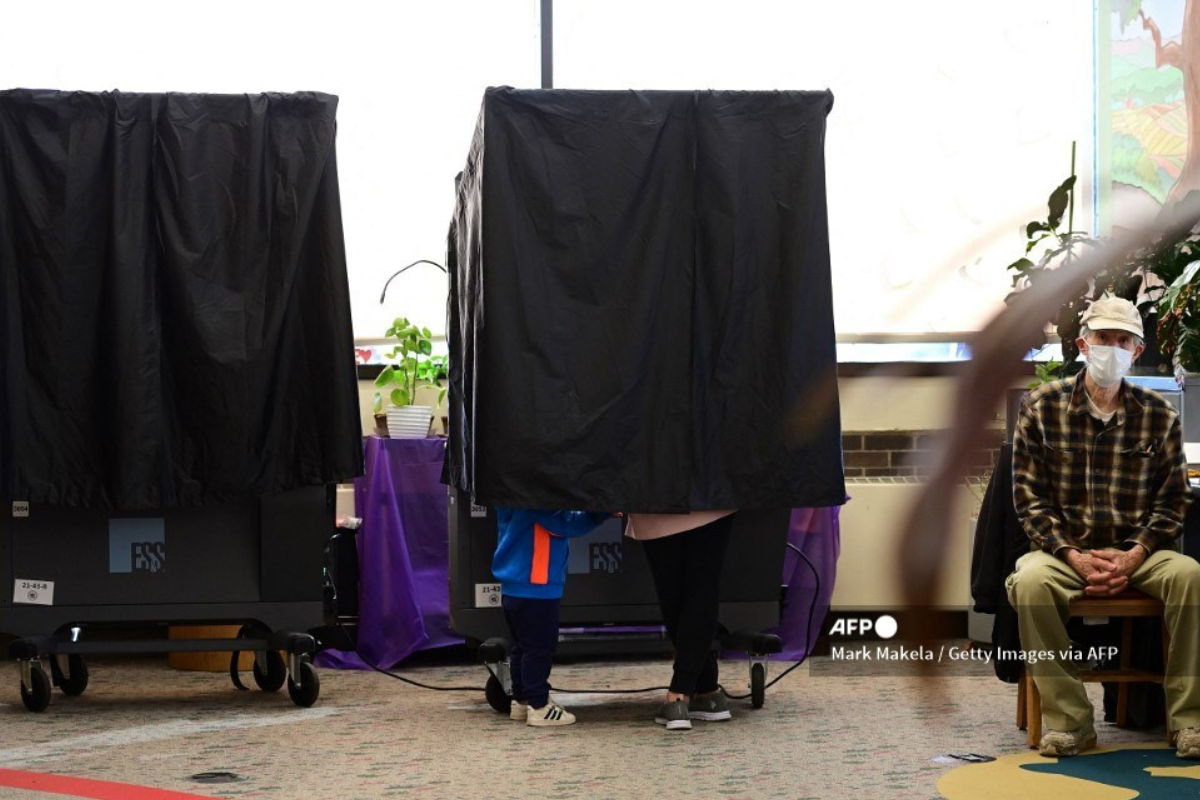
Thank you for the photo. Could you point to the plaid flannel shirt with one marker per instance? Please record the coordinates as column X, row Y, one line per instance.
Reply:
column 1078, row 482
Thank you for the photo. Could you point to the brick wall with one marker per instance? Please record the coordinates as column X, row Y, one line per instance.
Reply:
column 871, row 454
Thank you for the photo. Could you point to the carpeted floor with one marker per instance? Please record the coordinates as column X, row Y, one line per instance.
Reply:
column 818, row 736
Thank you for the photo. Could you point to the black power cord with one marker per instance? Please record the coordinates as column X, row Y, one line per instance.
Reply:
column 808, row 645
column 331, row 587
column 808, row 642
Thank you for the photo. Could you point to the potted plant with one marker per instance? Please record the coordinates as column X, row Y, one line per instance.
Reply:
column 1177, row 263
column 413, row 366
column 1142, row 278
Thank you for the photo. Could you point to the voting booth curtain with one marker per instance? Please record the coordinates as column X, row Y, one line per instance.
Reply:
column 176, row 310
column 641, row 314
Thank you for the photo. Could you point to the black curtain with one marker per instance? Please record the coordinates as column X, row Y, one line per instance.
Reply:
column 641, row 309
column 176, row 310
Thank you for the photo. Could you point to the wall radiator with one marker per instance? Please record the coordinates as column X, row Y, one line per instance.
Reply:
column 868, row 575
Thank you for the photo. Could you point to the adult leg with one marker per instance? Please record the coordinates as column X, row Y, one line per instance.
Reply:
column 1041, row 589
column 665, row 557
column 703, row 559
column 1175, row 579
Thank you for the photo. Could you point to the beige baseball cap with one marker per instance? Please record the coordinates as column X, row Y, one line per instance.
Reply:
column 1113, row 313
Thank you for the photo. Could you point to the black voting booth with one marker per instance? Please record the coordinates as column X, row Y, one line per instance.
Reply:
column 608, row 601
column 179, row 389
column 640, row 319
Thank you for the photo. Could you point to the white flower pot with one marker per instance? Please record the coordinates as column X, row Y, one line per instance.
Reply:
column 409, row 422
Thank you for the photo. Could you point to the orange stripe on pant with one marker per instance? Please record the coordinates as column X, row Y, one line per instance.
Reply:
column 539, row 570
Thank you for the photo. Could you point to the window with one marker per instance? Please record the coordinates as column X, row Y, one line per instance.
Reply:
column 410, row 78
column 951, row 124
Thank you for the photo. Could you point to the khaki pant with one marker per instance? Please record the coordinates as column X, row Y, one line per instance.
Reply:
column 1041, row 588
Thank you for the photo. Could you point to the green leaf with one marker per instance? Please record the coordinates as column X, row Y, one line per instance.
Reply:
column 377, row 404
column 1058, row 202
column 385, row 376
column 399, row 397
column 1035, row 227
column 1020, row 265
column 1171, row 297
column 425, row 347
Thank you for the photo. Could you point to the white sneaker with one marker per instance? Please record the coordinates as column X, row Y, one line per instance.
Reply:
column 548, row 716
column 519, row 711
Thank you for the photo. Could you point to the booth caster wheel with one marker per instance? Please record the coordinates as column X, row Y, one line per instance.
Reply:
column 276, row 674
column 309, row 689
column 76, row 680
column 37, row 696
column 758, row 683
column 496, row 696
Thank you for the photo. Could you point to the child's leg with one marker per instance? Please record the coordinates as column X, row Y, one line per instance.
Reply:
column 535, row 623
column 515, row 650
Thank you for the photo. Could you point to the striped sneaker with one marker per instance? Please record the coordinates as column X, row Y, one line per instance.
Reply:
column 548, row 716
column 519, row 711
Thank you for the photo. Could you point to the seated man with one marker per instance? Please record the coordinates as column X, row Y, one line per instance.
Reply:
column 1100, row 486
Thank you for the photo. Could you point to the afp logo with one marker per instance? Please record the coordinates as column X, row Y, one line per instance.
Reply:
column 883, row 626
column 137, row 545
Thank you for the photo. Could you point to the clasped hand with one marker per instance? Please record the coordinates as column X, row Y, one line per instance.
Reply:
column 1107, row 571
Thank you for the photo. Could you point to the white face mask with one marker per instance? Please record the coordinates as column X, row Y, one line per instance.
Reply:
column 1107, row 365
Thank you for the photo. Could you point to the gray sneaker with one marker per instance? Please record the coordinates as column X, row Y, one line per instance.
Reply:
column 709, row 707
column 674, row 716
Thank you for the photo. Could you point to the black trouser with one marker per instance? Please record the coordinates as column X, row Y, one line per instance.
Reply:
column 687, row 576
column 533, row 624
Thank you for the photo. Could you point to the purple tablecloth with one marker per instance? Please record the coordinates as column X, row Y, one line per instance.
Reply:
column 816, row 533
column 403, row 553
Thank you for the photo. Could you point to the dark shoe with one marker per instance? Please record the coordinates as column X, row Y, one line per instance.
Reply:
column 675, row 716
column 710, row 707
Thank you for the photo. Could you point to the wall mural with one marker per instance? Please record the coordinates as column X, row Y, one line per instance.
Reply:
column 1147, row 102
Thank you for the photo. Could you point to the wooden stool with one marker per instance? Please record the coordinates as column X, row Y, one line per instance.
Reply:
column 1127, row 605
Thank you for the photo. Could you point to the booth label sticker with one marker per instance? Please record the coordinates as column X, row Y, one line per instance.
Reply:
column 20, row 508
column 33, row 593
column 487, row 595
column 478, row 510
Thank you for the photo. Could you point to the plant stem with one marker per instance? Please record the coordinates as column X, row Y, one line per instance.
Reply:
column 1071, row 197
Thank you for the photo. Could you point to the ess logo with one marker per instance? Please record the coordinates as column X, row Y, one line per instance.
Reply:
column 137, row 545
column 885, row 626
column 148, row 556
column 606, row 557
